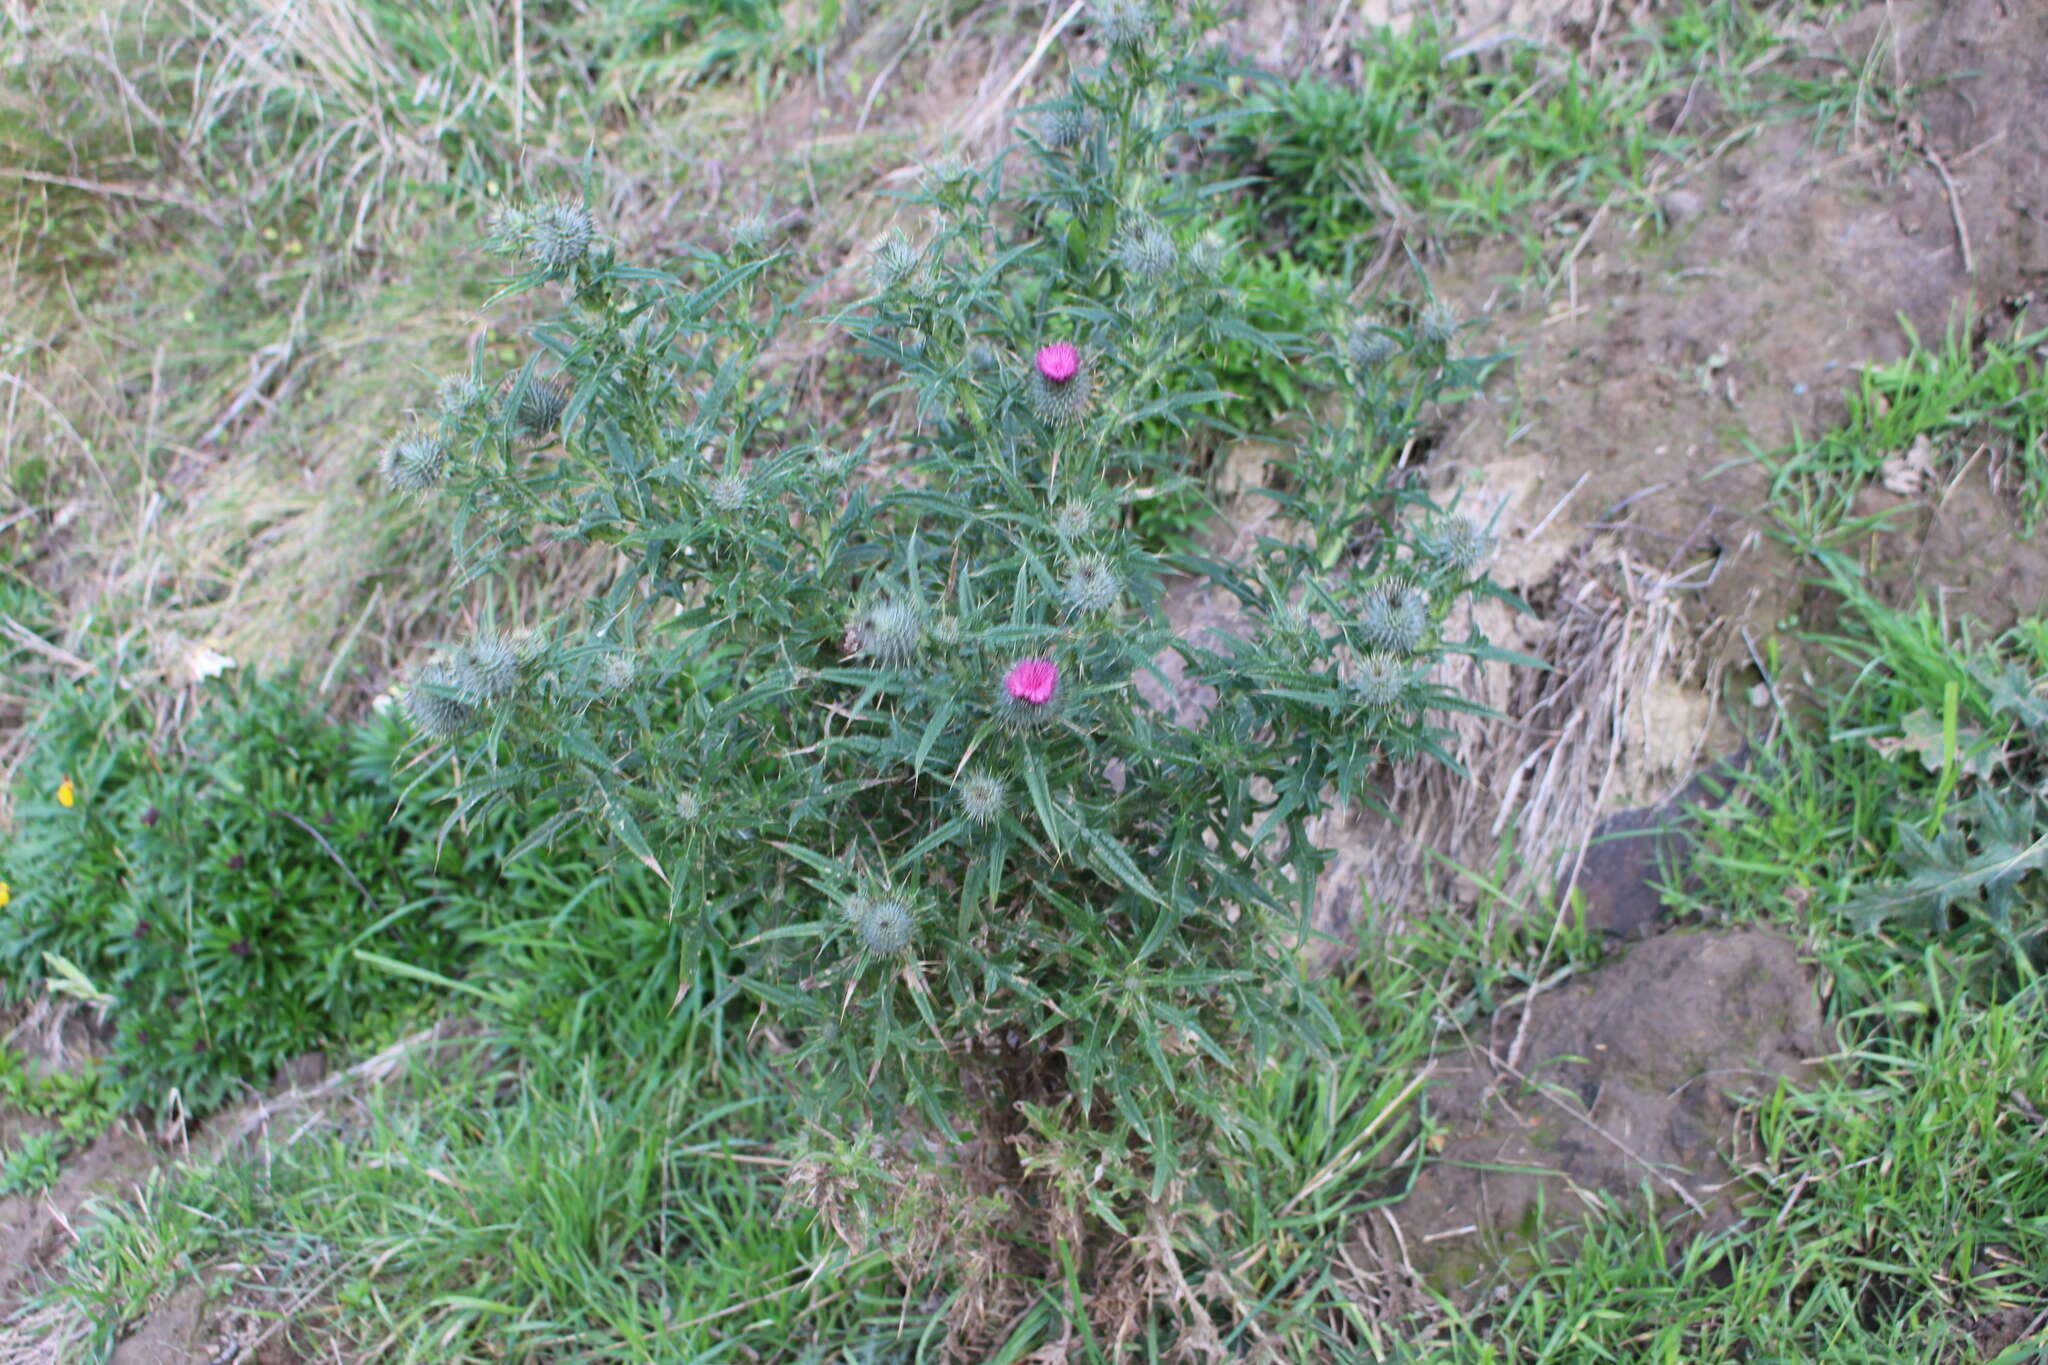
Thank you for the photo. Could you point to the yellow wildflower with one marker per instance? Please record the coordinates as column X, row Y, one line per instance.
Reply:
column 5, row 895
column 67, row 795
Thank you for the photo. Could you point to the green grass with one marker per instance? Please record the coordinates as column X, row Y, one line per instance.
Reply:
column 507, row 1193
column 600, row 1176
column 1851, row 99
column 1457, row 144
column 1923, row 729
column 223, row 228
column 193, row 422
column 1904, row 1197
column 32, row 1163
column 613, row 1196
column 1891, row 1208
column 80, row 1100
column 334, row 124
column 221, row 899
column 1921, row 420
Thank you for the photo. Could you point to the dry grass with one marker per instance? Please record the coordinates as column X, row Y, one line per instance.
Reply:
column 232, row 246
column 1616, row 719
column 51, row 1333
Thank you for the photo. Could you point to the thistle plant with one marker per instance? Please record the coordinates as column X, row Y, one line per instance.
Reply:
column 1092, row 585
column 883, row 924
column 435, row 705
column 1059, row 384
column 414, row 462
column 458, row 396
column 982, row 797
column 1437, row 324
column 887, row 631
column 1146, row 253
column 1368, row 344
column 883, row 740
column 1064, row 126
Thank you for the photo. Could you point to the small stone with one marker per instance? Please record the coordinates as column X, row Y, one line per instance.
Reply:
column 1681, row 206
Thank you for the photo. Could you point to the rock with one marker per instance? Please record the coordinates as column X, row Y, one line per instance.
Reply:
column 1634, row 853
column 1681, row 207
column 1630, row 1080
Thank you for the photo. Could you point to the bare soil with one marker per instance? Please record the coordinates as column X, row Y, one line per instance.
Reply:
column 210, row 1322
column 1626, row 1086
column 1646, row 382
column 37, row 1230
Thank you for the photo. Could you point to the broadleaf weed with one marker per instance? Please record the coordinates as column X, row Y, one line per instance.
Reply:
column 881, row 739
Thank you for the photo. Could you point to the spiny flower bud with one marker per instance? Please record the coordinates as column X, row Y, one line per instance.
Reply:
column 432, row 708
column 1065, row 125
column 947, row 171
column 541, row 405
column 458, row 396
column 893, row 261
column 486, row 669
column 750, row 234
column 888, row 632
column 1059, row 384
column 689, row 806
column 506, row 234
column 1381, row 681
column 415, row 463
column 1145, row 252
column 1074, row 521
column 1028, row 695
column 1458, row 544
column 982, row 797
column 558, row 237
column 1368, row 345
column 729, row 491
column 1092, row 585
column 1296, row 629
column 1209, row 257
column 615, row 673
column 946, row 631
column 528, row 646
column 1122, row 23
column 883, row 924
column 1438, row 324
column 1396, row 618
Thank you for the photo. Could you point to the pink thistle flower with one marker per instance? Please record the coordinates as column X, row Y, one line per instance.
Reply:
column 1059, row 362
column 1032, row 681
column 1058, row 389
